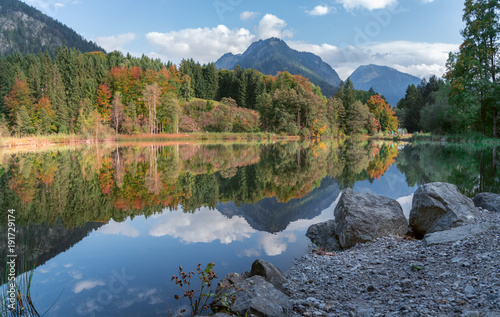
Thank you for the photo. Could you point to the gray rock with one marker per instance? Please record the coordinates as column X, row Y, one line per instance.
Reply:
column 323, row 235
column 363, row 217
column 256, row 296
column 488, row 201
column 231, row 279
column 269, row 272
column 457, row 234
column 438, row 207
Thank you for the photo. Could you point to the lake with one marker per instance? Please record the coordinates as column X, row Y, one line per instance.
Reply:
column 105, row 227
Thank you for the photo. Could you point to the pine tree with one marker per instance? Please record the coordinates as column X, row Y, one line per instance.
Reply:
column 473, row 70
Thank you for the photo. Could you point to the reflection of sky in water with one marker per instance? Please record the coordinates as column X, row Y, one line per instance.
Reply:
column 393, row 185
column 124, row 269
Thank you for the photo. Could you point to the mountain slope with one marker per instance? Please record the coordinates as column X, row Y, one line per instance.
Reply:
column 274, row 55
column 384, row 80
column 26, row 30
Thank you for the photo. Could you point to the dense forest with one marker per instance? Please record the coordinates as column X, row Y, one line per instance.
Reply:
column 98, row 94
column 466, row 101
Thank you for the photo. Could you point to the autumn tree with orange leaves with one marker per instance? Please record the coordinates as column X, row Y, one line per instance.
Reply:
column 384, row 115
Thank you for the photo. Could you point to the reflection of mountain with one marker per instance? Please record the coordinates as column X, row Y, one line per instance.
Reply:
column 272, row 216
column 392, row 184
column 37, row 244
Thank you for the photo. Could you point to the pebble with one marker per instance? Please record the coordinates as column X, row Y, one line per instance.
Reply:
column 394, row 276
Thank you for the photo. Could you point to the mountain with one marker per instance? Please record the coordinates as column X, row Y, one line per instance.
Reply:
column 26, row 30
column 390, row 83
column 274, row 55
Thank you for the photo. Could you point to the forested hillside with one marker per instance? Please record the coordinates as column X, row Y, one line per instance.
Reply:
column 26, row 30
column 95, row 94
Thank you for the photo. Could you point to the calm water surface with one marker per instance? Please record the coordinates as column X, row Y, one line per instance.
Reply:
column 106, row 227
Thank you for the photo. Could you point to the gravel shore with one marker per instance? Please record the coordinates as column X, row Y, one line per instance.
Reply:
column 395, row 276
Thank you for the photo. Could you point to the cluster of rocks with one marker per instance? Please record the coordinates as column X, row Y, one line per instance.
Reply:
column 368, row 262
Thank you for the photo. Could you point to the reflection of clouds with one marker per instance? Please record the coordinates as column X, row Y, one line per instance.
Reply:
column 204, row 225
column 119, row 228
column 75, row 275
column 250, row 253
column 276, row 244
column 87, row 284
column 405, row 203
column 141, row 295
column 68, row 265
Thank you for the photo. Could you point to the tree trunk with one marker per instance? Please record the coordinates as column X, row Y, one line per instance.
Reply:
column 483, row 116
column 495, row 116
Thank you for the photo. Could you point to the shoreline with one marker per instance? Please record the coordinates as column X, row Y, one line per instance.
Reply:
column 394, row 276
column 58, row 139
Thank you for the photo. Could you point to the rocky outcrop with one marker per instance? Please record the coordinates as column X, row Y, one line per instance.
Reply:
column 488, row 201
column 257, row 295
column 457, row 234
column 438, row 207
column 260, row 298
column 361, row 217
column 269, row 272
column 323, row 235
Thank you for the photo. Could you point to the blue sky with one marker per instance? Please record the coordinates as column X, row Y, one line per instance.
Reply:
column 413, row 36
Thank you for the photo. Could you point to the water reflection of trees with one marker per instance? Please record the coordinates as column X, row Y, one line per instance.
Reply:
column 97, row 184
column 472, row 168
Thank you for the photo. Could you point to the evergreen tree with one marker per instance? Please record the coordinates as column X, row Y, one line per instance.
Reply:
column 23, row 125
column 473, row 70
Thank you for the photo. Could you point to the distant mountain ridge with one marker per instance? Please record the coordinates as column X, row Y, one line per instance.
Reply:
column 274, row 55
column 26, row 30
column 387, row 81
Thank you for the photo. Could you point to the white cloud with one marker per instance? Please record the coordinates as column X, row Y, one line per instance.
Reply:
column 417, row 58
column 60, row 5
column 87, row 284
column 202, row 227
column 320, row 10
column 115, row 228
column 248, row 15
column 366, row 4
column 208, row 44
column 272, row 26
column 115, row 42
column 203, row 44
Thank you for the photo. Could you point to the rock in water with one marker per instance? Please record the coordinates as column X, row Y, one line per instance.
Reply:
column 363, row 217
column 488, row 201
column 269, row 272
column 323, row 235
column 438, row 207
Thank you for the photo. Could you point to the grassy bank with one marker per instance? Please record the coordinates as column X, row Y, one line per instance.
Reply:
column 41, row 141
column 47, row 140
column 206, row 136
